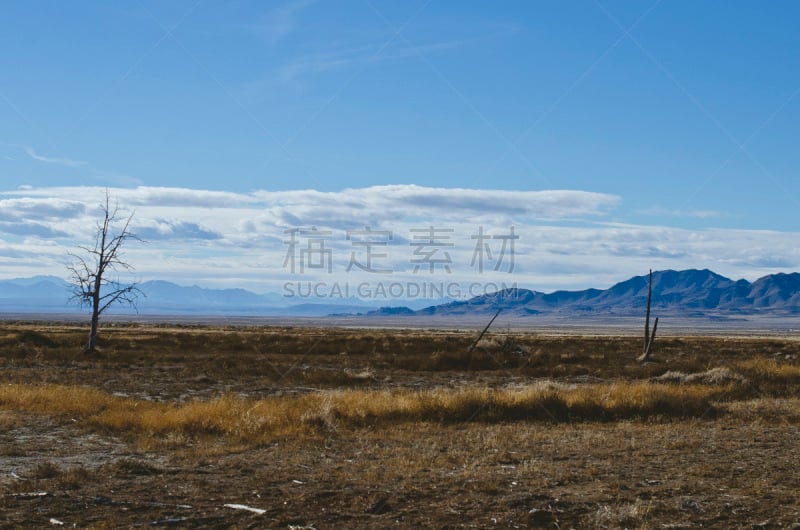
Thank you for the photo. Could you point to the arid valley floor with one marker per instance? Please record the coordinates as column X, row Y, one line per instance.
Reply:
column 304, row 427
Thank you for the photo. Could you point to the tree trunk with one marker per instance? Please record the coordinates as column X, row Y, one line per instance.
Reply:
column 93, row 332
column 96, row 307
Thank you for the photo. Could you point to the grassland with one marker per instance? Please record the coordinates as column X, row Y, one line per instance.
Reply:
column 338, row 428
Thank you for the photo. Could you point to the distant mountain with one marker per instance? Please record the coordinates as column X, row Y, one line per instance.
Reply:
column 26, row 282
column 37, row 294
column 48, row 294
column 167, row 296
column 688, row 292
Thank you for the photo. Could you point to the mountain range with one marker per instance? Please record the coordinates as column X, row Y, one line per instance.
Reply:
column 50, row 294
column 688, row 293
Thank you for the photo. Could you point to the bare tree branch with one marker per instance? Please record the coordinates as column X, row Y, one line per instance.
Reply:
column 88, row 271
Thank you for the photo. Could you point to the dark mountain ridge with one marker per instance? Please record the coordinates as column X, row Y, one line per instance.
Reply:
column 688, row 292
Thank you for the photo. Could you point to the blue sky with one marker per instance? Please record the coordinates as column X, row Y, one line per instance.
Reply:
column 672, row 125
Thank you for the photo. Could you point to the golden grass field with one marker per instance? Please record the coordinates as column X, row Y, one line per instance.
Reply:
column 186, row 426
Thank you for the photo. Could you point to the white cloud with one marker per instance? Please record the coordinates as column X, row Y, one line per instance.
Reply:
column 31, row 228
column 239, row 239
column 382, row 204
column 140, row 196
column 31, row 152
column 175, row 230
column 68, row 162
column 47, row 207
column 348, row 207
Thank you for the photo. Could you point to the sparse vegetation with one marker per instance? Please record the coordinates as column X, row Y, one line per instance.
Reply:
column 365, row 428
column 255, row 421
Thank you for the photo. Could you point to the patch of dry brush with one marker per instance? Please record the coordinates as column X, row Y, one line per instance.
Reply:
column 253, row 421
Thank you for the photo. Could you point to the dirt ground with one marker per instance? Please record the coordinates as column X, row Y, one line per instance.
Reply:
column 737, row 468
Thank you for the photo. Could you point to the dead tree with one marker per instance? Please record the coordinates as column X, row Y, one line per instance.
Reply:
column 649, row 338
column 89, row 272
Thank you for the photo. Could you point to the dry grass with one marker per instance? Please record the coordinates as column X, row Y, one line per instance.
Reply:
column 331, row 357
column 253, row 421
column 350, row 369
column 774, row 411
column 770, row 370
column 376, row 428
